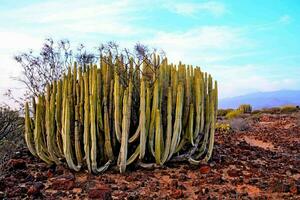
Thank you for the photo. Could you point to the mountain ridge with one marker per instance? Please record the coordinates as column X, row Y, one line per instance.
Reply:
column 260, row 100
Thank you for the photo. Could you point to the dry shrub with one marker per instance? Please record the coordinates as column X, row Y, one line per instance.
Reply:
column 255, row 112
column 224, row 112
column 239, row 124
column 233, row 114
column 288, row 109
column 223, row 128
column 274, row 110
column 11, row 133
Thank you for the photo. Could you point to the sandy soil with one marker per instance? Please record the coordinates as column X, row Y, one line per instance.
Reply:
column 260, row 163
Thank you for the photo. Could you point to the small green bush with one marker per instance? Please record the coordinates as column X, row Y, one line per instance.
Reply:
column 255, row 112
column 223, row 128
column 274, row 110
column 223, row 112
column 288, row 109
column 245, row 108
column 233, row 114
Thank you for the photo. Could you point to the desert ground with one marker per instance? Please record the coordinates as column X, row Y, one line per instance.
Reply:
column 259, row 161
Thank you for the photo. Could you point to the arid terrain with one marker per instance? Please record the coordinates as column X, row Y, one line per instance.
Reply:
column 262, row 162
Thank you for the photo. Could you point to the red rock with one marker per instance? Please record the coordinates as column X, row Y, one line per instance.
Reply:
column 16, row 164
column 293, row 189
column 49, row 174
column 174, row 183
column 13, row 192
column 64, row 182
column 176, row 194
column 100, row 192
column 234, row 173
column 32, row 190
column 35, row 189
column 130, row 178
column 205, row 169
column 2, row 185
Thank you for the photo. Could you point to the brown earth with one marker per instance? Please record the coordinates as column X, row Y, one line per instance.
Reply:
column 260, row 163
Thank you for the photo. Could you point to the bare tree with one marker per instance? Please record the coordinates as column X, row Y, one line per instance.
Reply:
column 141, row 54
column 84, row 57
column 54, row 58
column 48, row 65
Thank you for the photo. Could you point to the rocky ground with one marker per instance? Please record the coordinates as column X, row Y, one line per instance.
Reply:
column 262, row 162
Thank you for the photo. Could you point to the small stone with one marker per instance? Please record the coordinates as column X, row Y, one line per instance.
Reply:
column 174, row 183
column 77, row 190
column 294, row 189
column 35, row 189
column 234, row 173
column 205, row 169
column 176, row 194
column 64, row 182
column 288, row 173
column 49, row 173
column 205, row 190
column 182, row 177
column 100, row 192
column 16, row 164
column 41, row 176
column 2, row 185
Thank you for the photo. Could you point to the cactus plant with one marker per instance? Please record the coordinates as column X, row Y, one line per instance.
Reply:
column 245, row 108
column 122, row 114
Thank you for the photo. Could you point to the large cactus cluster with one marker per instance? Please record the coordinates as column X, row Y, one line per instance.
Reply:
column 245, row 108
column 117, row 114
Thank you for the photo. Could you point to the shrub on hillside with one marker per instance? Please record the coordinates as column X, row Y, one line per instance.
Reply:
column 223, row 128
column 233, row 114
column 274, row 110
column 255, row 112
column 239, row 124
column 10, row 122
column 224, row 112
column 11, row 133
column 288, row 109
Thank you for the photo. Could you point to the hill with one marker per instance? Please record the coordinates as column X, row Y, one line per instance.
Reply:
column 263, row 99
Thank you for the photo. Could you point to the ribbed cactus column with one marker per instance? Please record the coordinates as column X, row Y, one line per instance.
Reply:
column 29, row 131
column 122, row 112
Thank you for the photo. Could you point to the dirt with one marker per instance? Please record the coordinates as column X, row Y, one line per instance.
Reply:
column 260, row 163
column 259, row 143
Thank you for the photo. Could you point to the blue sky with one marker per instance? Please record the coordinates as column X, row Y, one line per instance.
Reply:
column 248, row 46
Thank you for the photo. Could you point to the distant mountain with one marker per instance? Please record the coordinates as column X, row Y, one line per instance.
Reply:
column 263, row 99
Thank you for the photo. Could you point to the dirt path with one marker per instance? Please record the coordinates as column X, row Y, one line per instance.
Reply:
column 261, row 163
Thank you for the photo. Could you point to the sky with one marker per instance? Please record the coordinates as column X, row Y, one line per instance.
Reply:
column 248, row 46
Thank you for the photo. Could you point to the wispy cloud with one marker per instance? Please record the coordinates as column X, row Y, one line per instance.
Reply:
column 113, row 17
column 191, row 9
column 220, row 49
column 201, row 45
column 285, row 19
column 240, row 79
column 11, row 41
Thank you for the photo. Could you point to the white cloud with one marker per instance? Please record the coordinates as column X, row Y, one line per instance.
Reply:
column 239, row 79
column 191, row 9
column 112, row 17
column 201, row 45
column 285, row 19
column 12, row 41
column 207, row 46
